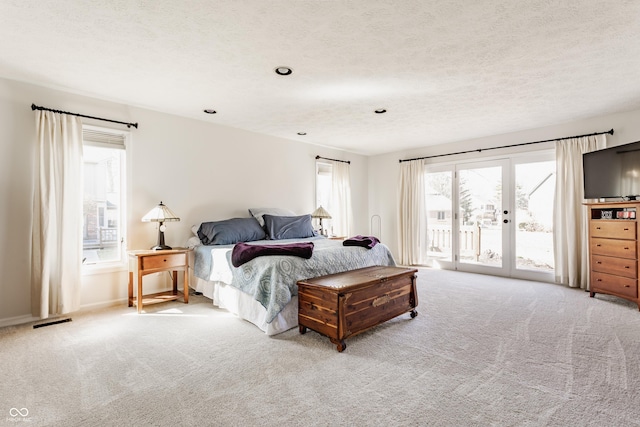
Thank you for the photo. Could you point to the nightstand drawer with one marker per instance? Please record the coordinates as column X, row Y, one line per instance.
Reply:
column 163, row 261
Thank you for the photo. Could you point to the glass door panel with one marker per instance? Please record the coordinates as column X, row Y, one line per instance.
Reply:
column 480, row 214
column 535, row 186
column 439, row 205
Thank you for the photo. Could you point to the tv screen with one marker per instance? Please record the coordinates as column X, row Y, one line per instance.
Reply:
column 613, row 172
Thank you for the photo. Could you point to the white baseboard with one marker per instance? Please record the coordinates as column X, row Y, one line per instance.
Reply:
column 18, row 320
column 103, row 304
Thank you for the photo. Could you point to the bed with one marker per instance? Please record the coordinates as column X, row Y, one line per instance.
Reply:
column 263, row 290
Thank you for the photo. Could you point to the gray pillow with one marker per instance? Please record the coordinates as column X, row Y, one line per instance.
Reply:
column 230, row 231
column 257, row 213
column 288, row 227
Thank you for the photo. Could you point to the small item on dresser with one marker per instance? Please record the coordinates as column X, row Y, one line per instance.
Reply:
column 365, row 241
column 243, row 252
column 606, row 214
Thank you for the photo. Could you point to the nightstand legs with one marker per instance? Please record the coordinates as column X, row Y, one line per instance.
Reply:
column 186, row 285
column 174, row 279
column 139, row 291
column 130, row 288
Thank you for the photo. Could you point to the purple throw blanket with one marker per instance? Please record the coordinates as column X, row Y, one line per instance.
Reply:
column 243, row 252
column 364, row 241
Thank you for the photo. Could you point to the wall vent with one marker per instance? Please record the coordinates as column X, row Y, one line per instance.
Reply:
column 53, row 322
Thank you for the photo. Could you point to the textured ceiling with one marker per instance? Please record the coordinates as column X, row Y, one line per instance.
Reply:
column 444, row 70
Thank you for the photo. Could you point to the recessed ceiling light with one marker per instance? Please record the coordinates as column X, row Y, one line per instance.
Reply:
column 283, row 71
column 210, row 111
column 380, row 111
column 302, row 133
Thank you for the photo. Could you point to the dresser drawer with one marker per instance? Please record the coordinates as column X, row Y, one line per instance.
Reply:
column 617, row 229
column 618, row 266
column 614, row 248
column 163, row 261
column 616, row 285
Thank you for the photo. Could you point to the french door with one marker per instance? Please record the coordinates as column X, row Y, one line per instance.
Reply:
column 492, row 217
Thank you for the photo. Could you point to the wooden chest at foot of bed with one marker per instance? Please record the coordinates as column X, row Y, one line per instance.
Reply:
column 344, row 304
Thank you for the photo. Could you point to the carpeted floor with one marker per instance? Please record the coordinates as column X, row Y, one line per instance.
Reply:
column 483, row 351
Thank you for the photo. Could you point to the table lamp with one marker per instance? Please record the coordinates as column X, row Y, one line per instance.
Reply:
column 160, row 214
column 321, row 213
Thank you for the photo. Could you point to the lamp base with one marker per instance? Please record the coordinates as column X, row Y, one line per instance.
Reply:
column 160, row 248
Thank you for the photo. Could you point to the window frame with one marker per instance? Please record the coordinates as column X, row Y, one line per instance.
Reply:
column 323, row 168
column 119, row 264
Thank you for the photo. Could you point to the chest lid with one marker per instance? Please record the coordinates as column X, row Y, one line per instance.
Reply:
column 360, row 277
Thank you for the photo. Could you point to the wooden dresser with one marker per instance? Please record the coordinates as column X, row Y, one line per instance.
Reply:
column 614, row 248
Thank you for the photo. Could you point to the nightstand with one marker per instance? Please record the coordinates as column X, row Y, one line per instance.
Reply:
column 143, row 262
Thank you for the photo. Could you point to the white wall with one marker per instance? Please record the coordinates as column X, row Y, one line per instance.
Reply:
column 384, row 170
column 202, row 171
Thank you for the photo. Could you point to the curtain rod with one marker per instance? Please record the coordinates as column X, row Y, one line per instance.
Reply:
column 610, row 132
column 333, row 160
column 36, row 107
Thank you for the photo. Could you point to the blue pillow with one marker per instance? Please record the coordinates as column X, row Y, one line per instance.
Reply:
column 288, row 227
column 230, row 231
column 257, row 213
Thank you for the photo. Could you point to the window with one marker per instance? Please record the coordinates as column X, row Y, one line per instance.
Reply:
column 323, row 185
column 104, row 201
column 323, row 190
column 333, row 192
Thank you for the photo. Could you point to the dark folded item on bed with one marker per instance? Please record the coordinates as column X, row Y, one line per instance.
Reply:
column 364, row 241
column 243, row 252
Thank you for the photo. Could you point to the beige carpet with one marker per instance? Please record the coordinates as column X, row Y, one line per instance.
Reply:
column 483, row 351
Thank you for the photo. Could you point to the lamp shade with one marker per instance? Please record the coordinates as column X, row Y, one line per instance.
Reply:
column 160, row 213
column 321, row 213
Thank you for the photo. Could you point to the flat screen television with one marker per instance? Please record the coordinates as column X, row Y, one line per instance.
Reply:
column 613, row 172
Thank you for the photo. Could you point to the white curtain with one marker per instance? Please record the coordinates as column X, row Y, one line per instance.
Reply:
column 411, row 212
column 341, row 213
column 570, row 235
column 56, row 253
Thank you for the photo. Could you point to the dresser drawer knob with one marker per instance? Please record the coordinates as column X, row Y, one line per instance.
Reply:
column 626, row 266
column 626, row 229
column 598, row 228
